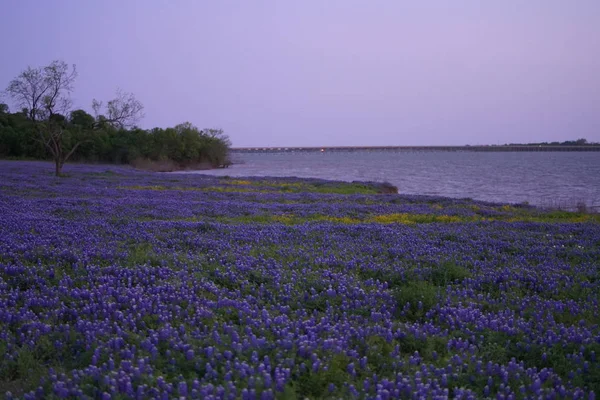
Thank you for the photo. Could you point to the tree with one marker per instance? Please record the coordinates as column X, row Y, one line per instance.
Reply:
column 217, row 134
column 45, row 93
column 59, row 140
column 124, row 111
column 28, row 89
column 60, row 83
column 82, row 119
column 46, row 127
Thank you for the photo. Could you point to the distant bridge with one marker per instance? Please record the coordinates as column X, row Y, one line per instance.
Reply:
column 499, row 148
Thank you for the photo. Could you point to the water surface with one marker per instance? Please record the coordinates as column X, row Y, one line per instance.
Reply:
column 544, row 178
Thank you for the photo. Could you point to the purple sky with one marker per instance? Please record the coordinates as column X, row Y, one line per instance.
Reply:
column 335, row 72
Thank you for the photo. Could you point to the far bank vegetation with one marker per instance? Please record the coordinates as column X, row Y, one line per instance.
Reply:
column 45, row 126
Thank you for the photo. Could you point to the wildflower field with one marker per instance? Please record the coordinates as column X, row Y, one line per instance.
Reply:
column 117, row 284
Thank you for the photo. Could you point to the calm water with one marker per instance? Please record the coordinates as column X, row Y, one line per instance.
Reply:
column 539, row 178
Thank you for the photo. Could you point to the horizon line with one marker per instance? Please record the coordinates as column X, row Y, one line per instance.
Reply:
column 412, row 146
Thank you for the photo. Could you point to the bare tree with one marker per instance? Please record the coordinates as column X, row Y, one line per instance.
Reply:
column 45, row 93
column 60, row 85
column 28, row 89
column 56, row 141
column 217, row 133
column 124, row 111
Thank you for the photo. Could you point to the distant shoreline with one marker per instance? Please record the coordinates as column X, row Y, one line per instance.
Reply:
column 488, row 148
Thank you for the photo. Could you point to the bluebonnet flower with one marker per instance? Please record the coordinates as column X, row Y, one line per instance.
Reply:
column 148, row 285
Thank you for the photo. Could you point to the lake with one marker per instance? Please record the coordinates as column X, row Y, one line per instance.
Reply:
column 541, row 178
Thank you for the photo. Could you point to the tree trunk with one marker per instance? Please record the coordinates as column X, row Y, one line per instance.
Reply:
column 58, row 167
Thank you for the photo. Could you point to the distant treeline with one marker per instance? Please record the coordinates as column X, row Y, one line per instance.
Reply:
column 578, row 142
column 183, row 145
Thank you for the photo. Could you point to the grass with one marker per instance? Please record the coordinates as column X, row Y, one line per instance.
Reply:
column 387, row 219
column 240, row 186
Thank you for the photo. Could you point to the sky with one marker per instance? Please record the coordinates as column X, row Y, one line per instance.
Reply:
column 328, row 72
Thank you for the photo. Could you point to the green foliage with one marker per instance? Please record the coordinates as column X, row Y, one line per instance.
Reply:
column 501, row 348
column 426, row 346
column 314, row 385
column 421, row 296
column 350, row 188
column 185, row 144
column 17, row 137
column 82, row 119
column 448, row 272
column 142, row 253
column 420, row 293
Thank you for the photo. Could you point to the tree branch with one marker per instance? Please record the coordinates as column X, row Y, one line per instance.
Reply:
column 124, row 111
column 70, row 153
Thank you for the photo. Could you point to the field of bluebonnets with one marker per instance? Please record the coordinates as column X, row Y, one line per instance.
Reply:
column 121, row 284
